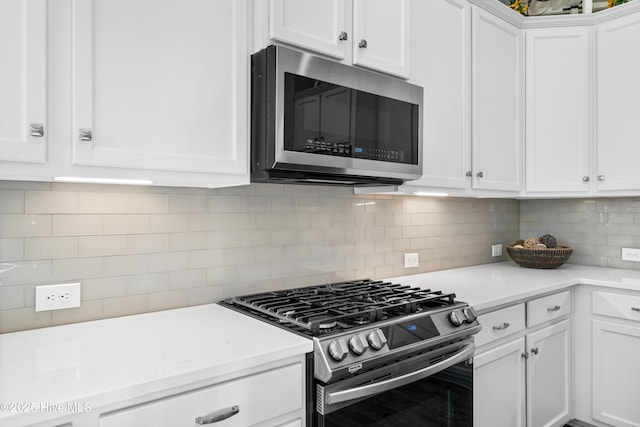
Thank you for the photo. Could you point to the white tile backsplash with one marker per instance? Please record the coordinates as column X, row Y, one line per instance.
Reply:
column 11, row 201
column 21, row 225
column 139, row 249
column 38, row 202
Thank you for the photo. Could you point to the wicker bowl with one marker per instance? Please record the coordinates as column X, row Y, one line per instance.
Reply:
column 540, row 258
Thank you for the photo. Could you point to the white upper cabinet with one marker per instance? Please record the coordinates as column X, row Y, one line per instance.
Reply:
column 372, row 34
column 381, row 35
column 557, row 105
column 23, row 81
column 470, row 65
column 320, row 26
column 618, row 145
column 165, row 90
column 441, row 64
column 497, row 103
column 147, row 90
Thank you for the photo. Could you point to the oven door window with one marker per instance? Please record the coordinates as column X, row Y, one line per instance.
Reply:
column 440, row 400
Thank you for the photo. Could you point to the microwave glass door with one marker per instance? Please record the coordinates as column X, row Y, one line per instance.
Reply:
column 327, row 119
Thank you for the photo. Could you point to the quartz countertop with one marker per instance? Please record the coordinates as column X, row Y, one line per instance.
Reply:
column 100, row 362
column 489, row 286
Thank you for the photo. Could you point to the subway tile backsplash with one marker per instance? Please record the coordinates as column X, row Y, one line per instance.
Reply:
column 596, row 229
column 140, row 249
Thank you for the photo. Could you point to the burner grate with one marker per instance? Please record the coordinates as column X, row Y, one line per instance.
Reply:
column 325, row 308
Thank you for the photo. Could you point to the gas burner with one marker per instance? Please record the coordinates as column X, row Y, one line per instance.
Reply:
column 324, row 309
column 323, row 322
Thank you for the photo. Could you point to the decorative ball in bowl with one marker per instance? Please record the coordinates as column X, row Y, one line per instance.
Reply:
column 543, row 252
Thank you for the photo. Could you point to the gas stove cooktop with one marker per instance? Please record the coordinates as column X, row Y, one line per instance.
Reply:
column 331, row 308
column 360, row 324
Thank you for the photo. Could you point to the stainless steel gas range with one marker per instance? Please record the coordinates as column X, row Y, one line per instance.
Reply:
column 384, row 354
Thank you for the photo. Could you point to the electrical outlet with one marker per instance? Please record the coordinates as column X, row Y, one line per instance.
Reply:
column 411, row 260
column 57, row 297
column 631, row 254
column 496, row 250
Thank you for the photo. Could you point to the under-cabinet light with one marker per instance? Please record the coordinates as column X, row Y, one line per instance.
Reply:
column 87, row 180
column 428, row 193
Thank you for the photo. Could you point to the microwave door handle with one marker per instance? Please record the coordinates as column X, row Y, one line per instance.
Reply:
column 386, row 385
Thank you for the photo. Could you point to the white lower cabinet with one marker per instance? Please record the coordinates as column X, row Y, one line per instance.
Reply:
column 549, row 375
column 616, row 371
column 272, row 398
column 522, row 377
column 499, row 386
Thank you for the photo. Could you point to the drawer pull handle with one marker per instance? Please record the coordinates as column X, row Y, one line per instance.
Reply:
column 502, row 327
column 216, row 416
column 635, row 308
column 554, row 308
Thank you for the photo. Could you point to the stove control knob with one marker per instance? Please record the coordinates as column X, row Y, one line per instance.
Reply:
column 358, row 344
column 338, row 350
column 469, row 314
column 376, row 339
column 456, row 318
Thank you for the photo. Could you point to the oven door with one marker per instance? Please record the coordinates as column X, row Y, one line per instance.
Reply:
column 430, row 389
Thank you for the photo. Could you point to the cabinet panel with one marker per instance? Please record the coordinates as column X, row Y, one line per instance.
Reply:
column 548, row 308
column 251, row 396
column 618, row 94
column 557, row 89
column 312, row 24
column 497, row 103
column 549, row 375
column 381, row 35
column 499, row 384
column 617, row 305
column 152, row 89
column 23, row 80
column 500, row 323
column 441, row 63
column 616, row 373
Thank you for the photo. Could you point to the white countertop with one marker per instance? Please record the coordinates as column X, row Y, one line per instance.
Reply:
column 491, row 285
column 101, row 362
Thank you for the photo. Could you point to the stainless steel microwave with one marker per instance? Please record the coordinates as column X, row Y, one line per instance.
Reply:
column 322, row 122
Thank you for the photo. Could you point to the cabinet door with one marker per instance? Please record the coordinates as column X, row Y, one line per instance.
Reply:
column 499, row 386
column 441, row 64
column 381, row 35
column 23, row 78
column 161, row 85
column 549, row 375
column 557, row 97
column 497, row 83
column 316, row 25
column 248, row 401
column 618, row 94
column 616, row 374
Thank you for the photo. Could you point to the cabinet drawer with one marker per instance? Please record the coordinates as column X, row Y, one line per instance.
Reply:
column 617, row 305
column 500, row 323
column 548, row 308
column 258, row 398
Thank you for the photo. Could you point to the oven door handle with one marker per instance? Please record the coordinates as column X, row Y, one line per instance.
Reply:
column 465, row 352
